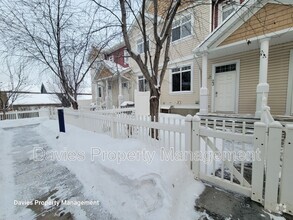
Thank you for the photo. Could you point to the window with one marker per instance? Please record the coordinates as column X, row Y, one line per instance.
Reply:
column 140, row 45
column 226, row 68
column 125, row 85
column 109, row 87
column 181, row 79
column 227, row 8
column 99, row 91
column 181, row 28
column 126, row 56
column 143, row 85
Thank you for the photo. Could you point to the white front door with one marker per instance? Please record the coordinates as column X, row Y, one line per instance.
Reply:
column 225, row 88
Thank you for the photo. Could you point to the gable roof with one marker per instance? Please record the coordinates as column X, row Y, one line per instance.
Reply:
column 112, row 68
column 248, row 9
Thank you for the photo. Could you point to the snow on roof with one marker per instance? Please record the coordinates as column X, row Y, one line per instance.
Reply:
column 126, row 103
column 37, row 99
column 114, row 67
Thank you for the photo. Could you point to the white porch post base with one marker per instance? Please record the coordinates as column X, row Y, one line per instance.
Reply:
column 204, row 101
column 261, row 89
column 120, row 100
column 108, row 106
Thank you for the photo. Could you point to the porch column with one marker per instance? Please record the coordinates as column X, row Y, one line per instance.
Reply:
column 204, row 90
column 262, row 89
column 107, row 95
column 120, row 96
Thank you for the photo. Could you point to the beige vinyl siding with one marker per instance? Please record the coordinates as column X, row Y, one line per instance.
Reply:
column 180, row 51
column 269, row 19
column 278, row 77
column 185, row 98
column 249, row 76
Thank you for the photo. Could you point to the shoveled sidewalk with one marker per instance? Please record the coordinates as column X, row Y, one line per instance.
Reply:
column 44, row 181
column 223, row 205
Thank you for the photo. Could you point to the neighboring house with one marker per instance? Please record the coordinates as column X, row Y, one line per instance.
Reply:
column 180, row 88
column 35, row 101
column 112, row 79
column 35, row 97
column 248, row 61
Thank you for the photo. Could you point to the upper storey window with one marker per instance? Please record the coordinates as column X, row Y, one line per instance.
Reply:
column 227, row 8
column 181, row 27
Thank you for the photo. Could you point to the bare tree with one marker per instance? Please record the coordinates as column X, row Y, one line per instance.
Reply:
column 57, row 34
column 157, row 16
column 14, row 88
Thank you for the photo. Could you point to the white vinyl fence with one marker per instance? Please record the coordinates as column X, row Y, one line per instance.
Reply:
column 254, row 159
column 12, row 115
column 124, row 124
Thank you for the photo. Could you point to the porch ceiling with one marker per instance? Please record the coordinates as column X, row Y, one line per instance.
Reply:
column 276, row 38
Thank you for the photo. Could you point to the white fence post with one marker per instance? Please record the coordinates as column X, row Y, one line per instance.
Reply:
column 286, row 192
column 273, row 166
column 258, row 167
column 195, row 147
column 188, row 137
column 114, row 126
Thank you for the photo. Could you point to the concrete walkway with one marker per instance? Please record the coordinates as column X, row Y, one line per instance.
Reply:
column 46, row 181
column 222, row 205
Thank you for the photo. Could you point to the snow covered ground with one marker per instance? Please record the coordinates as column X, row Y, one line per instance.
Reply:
column 126, row 178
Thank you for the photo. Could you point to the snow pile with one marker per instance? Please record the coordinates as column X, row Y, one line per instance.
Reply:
column 146, row 188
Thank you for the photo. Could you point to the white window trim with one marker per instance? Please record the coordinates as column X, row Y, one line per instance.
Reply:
column 138, row 83
column 171, row 79
column 220, row 11
column 236, row 105
column 136, row 44
column 290, row 86
column 180, row 16
column 126, row 57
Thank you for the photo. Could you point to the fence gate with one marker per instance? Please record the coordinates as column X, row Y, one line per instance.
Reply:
column 254, row 162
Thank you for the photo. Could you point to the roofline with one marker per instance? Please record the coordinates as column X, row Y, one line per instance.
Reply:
column 114, row 48
column 227, row 24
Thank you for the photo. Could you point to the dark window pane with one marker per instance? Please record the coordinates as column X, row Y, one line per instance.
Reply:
column 141, row 85
column 186, row 81
column 175, row 70
column 186, row 29
column 176, row 33
column 146, row 86
column 176, row 82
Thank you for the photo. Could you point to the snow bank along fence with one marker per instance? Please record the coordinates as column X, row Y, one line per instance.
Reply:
column 244, row 157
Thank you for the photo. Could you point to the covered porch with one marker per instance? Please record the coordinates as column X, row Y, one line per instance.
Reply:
column 248, row 74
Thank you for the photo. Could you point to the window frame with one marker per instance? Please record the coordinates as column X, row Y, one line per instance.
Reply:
column 180, row 25
column 234, row 4
column 145, row 84
column 141, row 45
column 180, row 72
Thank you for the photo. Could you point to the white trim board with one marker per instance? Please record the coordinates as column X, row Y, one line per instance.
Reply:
column 236, row 102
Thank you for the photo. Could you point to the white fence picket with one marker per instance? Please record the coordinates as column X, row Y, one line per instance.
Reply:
column 273, row 166
column 258, row 166
column 286, row 192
